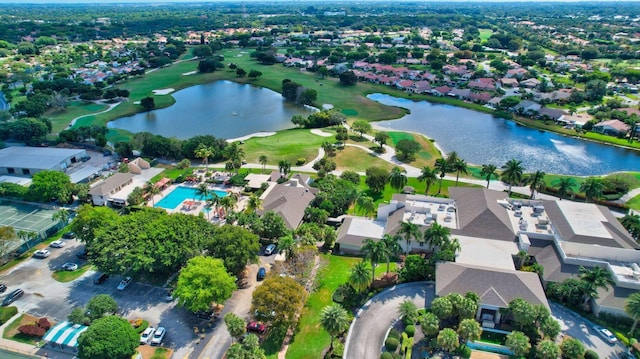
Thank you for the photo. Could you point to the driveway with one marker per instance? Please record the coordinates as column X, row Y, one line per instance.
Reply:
column 582, row 329
column 369, row 328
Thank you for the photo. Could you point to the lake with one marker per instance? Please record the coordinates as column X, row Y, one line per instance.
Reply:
column 480, row 138
column 223, row 109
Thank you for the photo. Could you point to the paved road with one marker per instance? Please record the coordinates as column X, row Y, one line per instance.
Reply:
column 582, row 329
column 369, row 328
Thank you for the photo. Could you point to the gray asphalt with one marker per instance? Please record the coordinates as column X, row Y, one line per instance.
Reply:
column 369, row 328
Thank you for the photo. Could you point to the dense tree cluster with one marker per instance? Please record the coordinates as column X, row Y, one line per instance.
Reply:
column 32, row 131
column 319, row 119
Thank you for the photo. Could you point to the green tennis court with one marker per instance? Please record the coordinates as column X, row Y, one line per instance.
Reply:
column 28, row 218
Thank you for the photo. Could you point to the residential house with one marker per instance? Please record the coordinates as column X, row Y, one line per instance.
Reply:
column 461, row 94
column 530, row 83
column 509, row 82
column 441, row 90
column 611, row 127
column 485, row 83
column 421, row 87
column 110, row 191
column 289, row 199
column 480, row 97
column 527, row 107
column 554, row 114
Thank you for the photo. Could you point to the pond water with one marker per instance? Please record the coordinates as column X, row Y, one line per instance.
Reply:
column 480, row 138
column 223, row 109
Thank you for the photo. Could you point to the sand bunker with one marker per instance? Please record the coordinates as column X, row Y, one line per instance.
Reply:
column 163, row 91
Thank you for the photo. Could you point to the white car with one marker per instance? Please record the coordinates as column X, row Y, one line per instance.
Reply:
column 41, row 253
column 125, row 283
column 70, row 266
column 58, row 244
column 158, row 336
column 606, row 334
column 147, row 335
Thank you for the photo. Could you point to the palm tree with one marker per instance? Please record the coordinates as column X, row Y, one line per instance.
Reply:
column 392, row 245
column 360, row 276
column 335, row 320
column 398, row 178
column 631, row 222
column 328, row 148
column 202, row 191
column 436, row 235
column 213, row 201
column 27, row 237
column 459, row 166
column 429, row 176
column 254, row 203
column 409, row 230
column 488, row 171
column 228, row 202
column 61, row 216
column 522, row 258
column 512, row 172
column 536, row 182
column 288, row 245
column 592, row 280
column 284, row 167
column 442, row 167
column 565, row 187
column 151, row 191
column 375, row 252
column 263, row 161
column 632, row 307
column 204, row 152
column 592, row 188
column 365, row 204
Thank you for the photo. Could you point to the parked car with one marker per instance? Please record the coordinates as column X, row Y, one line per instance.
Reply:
column 57, row 244
column 12, row 297
column 3, row 287
column 69, row 266
column 169, row 296
column 69, row 235
column 262, row 272
column 41, row 253
column 205, row 314
column 125, row 283
column 271, row 248
column 158, row 336
column 101, row 278
column 147, row 335
column 83, row 254
column 256, row 327
column 605, row 334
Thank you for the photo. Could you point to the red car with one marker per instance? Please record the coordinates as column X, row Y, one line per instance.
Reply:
column 256, row 327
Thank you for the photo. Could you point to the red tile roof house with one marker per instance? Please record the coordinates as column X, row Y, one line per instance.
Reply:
column 404, row 84
column 509, row 82
column 440, row 90
column 611, row 127
column 518, row 72
column 421, row 87
column 483, row 84
column 480, row 97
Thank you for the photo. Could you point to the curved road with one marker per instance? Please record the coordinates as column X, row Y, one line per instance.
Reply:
column 369, row 328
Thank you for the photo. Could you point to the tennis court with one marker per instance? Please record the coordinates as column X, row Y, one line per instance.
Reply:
column 28, row 218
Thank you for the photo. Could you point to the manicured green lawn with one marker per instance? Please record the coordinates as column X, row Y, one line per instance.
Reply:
column 310, row 339
column 284, row 145
column 427, row 155
column 356, row 159
column 485, row 34
column 67, row 276
column 60, row 120
column 634, row 202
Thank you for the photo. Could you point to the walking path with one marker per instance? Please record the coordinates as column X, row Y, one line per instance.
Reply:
column 111, row 107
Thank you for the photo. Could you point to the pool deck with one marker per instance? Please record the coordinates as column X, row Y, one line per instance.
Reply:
column 189, row 206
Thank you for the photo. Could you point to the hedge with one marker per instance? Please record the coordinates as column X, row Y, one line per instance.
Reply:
column 391, row 344
column 590, row 354
column 386, row 355
column 410, row 330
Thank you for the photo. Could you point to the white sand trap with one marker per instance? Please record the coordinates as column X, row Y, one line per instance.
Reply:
column 317, row 132
column 136, row 102
column 189, row 73
column 257, row 134
column 163, row 91
column 327, row 106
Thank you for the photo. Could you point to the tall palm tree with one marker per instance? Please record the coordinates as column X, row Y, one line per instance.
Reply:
column 375, row 252
column 536, row 182
column 409, row 231
column 335, row 320
column 365, row 204
column 436, row 235
column 393, row 246
column 429, row 176
column 288, row 245
column 228, row 202
column 592, row 280
column 565, row 187
column 61, row 216
column 27, row 237
column 442, row 167
column 204, row 152
column 151, row 190
column 254, row 203
column 213, row 201
column 488, row 171
column 202, row 191
column 592, row 188
column 512, row 172
column 263, row 161
column 284, row 167
column 522, row 258
column 631, row 222
column 398, row 178
column 632, row 307
column 460, row 166
column 360, row 276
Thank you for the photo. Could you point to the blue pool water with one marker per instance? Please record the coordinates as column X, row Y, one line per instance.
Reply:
column 180, row 194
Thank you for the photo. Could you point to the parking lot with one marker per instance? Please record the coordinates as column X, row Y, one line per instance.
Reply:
column 46, row 297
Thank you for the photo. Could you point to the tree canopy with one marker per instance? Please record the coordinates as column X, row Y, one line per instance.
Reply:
column 109, row 337
column 278, row 300
column 202, row 282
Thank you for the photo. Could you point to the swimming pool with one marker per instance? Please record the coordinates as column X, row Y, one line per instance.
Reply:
column 181, row 193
